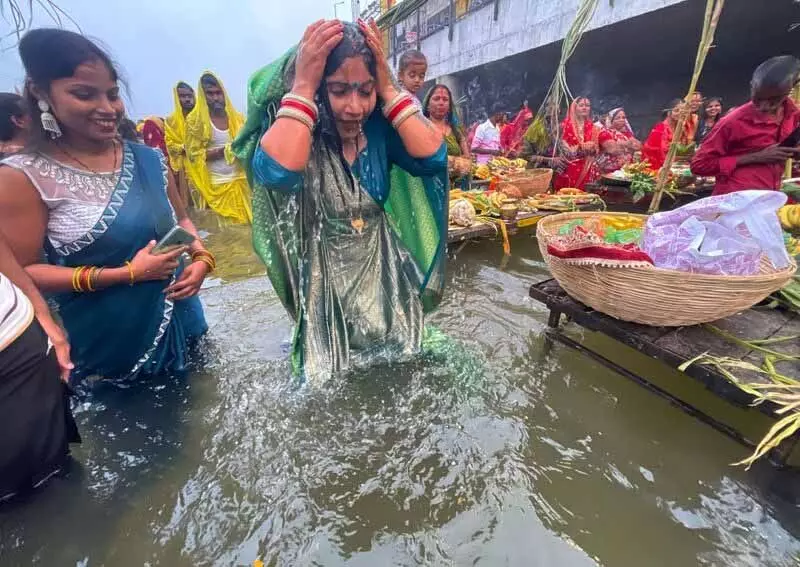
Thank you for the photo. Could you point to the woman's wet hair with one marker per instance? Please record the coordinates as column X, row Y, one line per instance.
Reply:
column 409, row 57
column 777, row 72
column 11, row 106
column 353, row 44
column 49, row 54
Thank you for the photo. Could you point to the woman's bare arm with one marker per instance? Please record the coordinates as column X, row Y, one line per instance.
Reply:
column 23, row 222
column 288, row 141
column 10, row 267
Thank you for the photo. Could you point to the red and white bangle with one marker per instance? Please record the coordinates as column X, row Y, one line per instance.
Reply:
column 298, row 108
column 400, row 108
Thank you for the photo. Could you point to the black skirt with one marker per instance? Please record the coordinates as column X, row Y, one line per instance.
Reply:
column 36, row 423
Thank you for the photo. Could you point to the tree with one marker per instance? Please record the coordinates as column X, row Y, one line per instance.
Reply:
column 19, row 14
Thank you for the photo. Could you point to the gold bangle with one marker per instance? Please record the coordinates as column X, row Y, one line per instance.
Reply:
column 203, row 253
column 131, row 272
column 75, row 276
column 89, row 277
column 404, row 115
column 81, row 271
column 294, row 114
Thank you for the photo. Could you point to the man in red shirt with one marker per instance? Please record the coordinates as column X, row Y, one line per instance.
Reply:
column 743, row 151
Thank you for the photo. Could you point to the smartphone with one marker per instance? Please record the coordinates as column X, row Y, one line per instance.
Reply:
column 792, row 140
column 175, row 238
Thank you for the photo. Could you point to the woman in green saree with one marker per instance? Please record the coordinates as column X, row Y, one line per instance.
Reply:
column 355, row 252
column 440, row 109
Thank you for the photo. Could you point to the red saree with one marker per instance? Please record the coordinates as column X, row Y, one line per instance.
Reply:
column 581, row 169
column 511, row 136
column 153, row 134
column 657, row 144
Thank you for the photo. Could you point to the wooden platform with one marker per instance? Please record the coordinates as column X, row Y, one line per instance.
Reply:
column 618, row 198
column 676, row 345
column 523, row 220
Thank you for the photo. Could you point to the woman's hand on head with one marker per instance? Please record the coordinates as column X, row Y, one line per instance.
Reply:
column 317, row 43
column 386, row 87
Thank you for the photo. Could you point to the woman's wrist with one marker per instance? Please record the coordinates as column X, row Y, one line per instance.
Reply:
column 304, row 89
column 388, row 94
column 206, row 266
column 114, row 276
column 49, row 325
column 206, row 258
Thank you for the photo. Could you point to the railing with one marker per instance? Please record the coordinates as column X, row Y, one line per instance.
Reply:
column 425, row 25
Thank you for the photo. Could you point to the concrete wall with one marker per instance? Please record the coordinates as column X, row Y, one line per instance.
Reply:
column 522, row 25
column 640, row 63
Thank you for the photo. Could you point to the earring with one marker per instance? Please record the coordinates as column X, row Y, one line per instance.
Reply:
column 49, row 122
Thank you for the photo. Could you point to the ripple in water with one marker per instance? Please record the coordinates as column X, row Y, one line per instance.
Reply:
column 486, row 452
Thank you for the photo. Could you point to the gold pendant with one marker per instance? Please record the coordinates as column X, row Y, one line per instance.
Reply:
column 358, row 224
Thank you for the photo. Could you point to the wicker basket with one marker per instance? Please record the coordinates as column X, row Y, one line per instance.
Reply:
column 532, row 181
column 652, row 296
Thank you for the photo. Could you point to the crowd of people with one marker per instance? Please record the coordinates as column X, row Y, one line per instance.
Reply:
column 583, row 146
column 344, row 175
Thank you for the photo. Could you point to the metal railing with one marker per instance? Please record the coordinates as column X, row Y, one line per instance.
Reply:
column 422, row 25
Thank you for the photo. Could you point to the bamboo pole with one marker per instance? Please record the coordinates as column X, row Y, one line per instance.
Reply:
column 710, row 21
column 558, row 91
column 787, row 173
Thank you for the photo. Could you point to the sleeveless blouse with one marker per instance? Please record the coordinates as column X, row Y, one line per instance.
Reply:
column 75, row 199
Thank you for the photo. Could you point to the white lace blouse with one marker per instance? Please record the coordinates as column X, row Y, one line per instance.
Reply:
column 75, row 198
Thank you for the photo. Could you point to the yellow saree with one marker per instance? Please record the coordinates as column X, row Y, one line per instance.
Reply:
column 175, row 133
column 230, row 199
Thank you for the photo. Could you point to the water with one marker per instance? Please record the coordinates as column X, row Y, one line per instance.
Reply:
column 491, row 453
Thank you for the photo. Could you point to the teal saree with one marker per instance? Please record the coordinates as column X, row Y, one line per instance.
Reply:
column 354, row 295
column 125, row 331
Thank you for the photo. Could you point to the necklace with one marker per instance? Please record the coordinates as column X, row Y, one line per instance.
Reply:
column 83, row 165
column 442, row 126
column 357, row 222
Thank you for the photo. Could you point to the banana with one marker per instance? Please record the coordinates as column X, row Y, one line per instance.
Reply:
column 789, row 216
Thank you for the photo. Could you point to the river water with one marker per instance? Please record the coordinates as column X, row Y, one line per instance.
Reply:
column 492, row 452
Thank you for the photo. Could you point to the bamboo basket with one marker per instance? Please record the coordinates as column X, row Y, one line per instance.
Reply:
column 531, row 181
column 653, row 296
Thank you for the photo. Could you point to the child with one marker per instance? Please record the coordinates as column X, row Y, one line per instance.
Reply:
column 411, row 71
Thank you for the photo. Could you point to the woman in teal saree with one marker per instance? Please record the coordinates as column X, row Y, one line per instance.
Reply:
column 354, row 247
column 97, row 205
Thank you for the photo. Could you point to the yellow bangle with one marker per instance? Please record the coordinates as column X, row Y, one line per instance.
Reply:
column 89, row 277
column 76, row 273
column 207, row 257
column 81, row 272
column 131, row 272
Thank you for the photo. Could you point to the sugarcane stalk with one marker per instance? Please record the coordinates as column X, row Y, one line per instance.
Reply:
column 787, row 173
column 710, row 21
column 559, row 90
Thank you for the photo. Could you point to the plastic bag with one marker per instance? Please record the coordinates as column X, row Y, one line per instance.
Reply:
column 726, row 234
